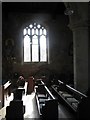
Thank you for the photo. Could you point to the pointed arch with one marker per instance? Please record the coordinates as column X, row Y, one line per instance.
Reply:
column 35, row 43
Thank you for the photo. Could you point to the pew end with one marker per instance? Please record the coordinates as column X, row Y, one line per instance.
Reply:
column 15, row 111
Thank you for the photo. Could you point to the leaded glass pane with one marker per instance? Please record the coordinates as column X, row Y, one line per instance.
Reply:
column 36, row 31
column 27, row 55
column 31, row 26
column 24, row 31
column 40, row 31
column 43, row 56
column 32, row 31
column 28, row 31
column 44, row 31
column 35, row 53
column 35, row 40
column 38, row 26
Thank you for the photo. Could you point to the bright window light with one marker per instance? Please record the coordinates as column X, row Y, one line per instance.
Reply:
column 35, row 37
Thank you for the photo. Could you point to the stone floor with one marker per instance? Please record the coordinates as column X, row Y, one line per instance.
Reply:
column 31, row 108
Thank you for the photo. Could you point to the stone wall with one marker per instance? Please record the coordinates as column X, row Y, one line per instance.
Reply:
column 59, row 37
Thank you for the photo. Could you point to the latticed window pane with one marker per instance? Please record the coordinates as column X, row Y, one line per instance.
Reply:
column 40, row 31
column 31, row 26
column 35, row 40
column 28, row 31
column 24, row 31
column 44, row 32
column 43, row 56
column 35, row 53
column 36, row 31
column 27, row 55
column 38, row 26
column 32, row 31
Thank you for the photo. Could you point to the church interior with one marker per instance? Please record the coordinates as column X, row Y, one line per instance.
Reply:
column 45, row 60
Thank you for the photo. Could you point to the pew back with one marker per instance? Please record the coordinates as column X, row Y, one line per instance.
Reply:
column 46, row 102
column 68, row 94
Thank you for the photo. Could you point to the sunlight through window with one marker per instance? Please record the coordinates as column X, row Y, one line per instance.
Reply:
column 35, row 43
column 43, row 56
column 35, row 48
column 27, row 49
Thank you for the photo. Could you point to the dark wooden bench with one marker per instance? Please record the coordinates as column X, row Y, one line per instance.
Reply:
column 46, row 103
column 15, row 111
column 71, row 97
column 20, row 91
column 7, row 88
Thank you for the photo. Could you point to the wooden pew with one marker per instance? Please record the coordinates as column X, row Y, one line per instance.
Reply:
column 15, row 111
column 70, row 96
column 5, row 91
column 20, row 91
column 7, row 88
column 16, row 107
column 46, row 103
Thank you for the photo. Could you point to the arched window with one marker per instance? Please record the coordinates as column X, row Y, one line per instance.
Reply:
column 35, row 47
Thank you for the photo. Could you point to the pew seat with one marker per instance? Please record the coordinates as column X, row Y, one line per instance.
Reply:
column 72, row 100
column 75, row 105
column 66, row 95
column 61, row 92
column 41, row 96
column 42, row 100
column 46, row 103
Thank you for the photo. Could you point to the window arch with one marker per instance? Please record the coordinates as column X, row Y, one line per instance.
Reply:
column 35, row 43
